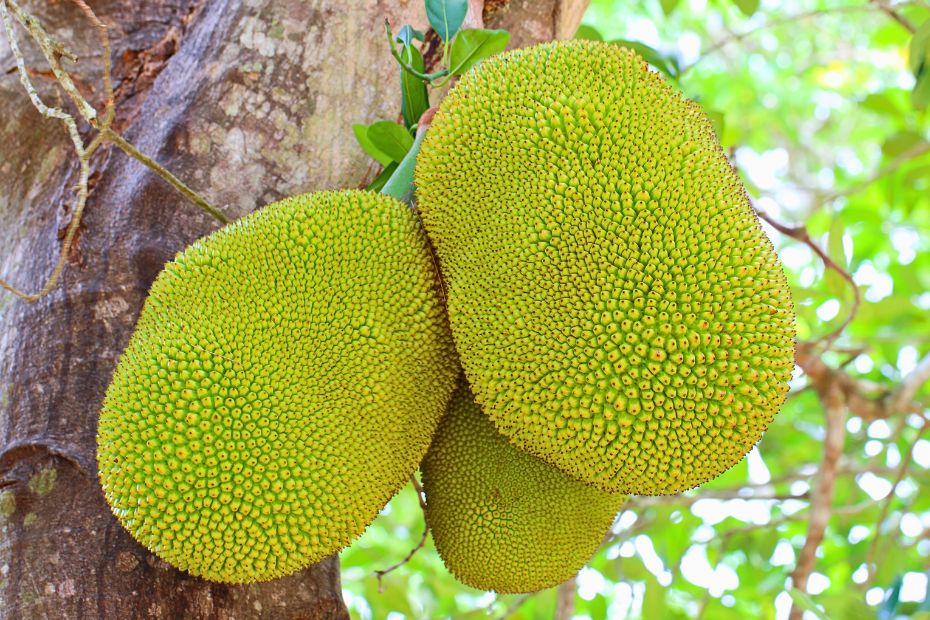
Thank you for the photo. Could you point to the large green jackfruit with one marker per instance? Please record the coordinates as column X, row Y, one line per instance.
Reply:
column 616, row 305
column 283, row 382
column 503, row 519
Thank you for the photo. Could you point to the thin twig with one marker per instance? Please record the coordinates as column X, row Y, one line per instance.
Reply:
column 104, row 36
column 799, row 233
column 893, row 14
column 775, row 23
column 381, row 573
column 84, row 153
column 53, row 52
column 837, row 392
column 172, row 180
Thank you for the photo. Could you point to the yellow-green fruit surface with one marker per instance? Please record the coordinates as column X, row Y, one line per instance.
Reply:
column 503, row 519
column 616, row 305
column 284, row 380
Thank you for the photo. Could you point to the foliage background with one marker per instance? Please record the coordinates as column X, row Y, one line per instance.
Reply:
column 815, row 103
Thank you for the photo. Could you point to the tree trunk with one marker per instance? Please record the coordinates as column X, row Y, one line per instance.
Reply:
column 245, row 100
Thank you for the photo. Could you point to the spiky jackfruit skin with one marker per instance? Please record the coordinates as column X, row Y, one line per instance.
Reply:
column 283, row 382
column 617, row 308
column 503, row 519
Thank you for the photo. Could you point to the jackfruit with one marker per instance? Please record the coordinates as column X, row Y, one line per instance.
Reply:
column 618, row 310
column 283, row 382
column 502, row 519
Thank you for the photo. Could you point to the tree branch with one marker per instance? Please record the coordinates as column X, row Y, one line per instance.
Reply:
column 822, row 498
column 565, row 600
column 886, row 405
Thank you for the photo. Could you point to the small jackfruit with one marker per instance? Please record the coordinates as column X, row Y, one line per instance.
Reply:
column 283, row 382
column 617, row 308
column 502, row 519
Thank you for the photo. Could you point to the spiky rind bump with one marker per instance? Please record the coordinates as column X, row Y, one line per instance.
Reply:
column 284, row 379
column 617, row 308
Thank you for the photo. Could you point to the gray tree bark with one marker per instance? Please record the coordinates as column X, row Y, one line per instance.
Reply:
column 245, row 100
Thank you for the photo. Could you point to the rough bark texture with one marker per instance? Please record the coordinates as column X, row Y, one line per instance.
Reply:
column 247, row 101
column 539, row 21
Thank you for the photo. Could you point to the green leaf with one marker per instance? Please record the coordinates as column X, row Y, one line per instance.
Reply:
column 887, row 609
column 472, row 46
column 915, row 175
column 390, row 138
column 407, row 35
column 901, row 142
column 361, row 135
column 919, row 60
column 748, row 7
column 880, row 103
column 848, row 605
column 588, row 33
column 805, row 602
column 920, row 96
column 654, row 599
column 668, row 6
column 650, row 55
column 446, row 16
column 400, row 185
column 919, row 57
column 382, row 178
column 414, row 98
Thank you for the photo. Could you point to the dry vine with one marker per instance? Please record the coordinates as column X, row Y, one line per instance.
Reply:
column 54, row 53
column 420, row 495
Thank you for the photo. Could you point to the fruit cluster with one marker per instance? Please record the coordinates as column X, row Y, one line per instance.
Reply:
column 601, row 293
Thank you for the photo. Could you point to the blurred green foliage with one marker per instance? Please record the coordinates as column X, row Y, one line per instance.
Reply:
column 820, row 105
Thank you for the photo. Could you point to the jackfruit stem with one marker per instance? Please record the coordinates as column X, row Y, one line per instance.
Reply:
column 428, row 77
